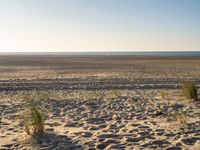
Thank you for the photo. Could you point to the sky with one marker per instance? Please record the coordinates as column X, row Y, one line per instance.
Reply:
column 99, row 25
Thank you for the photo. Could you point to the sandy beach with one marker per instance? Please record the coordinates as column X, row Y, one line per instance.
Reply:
column 96, row 102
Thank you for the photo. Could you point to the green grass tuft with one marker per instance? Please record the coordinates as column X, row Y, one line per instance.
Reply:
column 33, row 120
column 189, row 90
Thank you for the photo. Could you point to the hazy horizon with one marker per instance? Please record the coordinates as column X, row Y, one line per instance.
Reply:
column 108, row 53
column 93, row 25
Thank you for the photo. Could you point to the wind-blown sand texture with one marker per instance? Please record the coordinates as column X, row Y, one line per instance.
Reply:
column 100, row 102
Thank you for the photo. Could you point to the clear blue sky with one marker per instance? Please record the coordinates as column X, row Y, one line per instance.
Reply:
column 50, row 25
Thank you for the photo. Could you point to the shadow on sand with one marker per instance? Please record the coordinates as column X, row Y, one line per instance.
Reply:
column 50, row 141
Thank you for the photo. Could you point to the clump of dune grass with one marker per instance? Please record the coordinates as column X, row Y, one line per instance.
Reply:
column 163, row 94
column 190, row 90
column 33, row 120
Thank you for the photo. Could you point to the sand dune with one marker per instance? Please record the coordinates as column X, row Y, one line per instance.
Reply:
column 100, row 103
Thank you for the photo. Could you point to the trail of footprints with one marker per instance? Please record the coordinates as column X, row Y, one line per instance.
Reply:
column 122, row 123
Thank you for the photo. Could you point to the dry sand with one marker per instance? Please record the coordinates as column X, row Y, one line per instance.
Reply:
column 100, row 102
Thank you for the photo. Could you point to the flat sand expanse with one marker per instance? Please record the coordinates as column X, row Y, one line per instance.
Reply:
column 100, row 102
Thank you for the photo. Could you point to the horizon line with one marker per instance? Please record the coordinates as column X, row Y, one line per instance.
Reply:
column 96, row 51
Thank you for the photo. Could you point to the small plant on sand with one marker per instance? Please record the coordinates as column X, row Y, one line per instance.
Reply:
column 189, row 90
column 33, row 120
column 163, row 94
